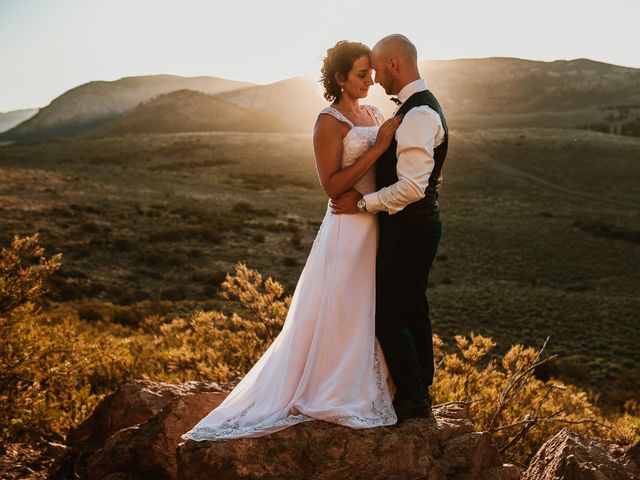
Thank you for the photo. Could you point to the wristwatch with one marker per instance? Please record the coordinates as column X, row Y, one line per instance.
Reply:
column 362, row 205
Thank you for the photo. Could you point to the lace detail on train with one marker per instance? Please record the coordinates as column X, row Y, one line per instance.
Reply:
column 382, row 413
column 232, row 427
column 326, row 363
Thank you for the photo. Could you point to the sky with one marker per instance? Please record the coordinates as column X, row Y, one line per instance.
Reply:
column 50, row 46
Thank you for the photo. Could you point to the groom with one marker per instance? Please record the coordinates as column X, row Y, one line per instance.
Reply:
column 407, row 177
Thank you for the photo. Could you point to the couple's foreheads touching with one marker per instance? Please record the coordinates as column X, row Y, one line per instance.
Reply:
column 394, row 59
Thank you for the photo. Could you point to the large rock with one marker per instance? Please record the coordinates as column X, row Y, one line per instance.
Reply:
column 149, row 449
column 131, row 404
column 129, row 429
column 444, row 446
column 572, row 456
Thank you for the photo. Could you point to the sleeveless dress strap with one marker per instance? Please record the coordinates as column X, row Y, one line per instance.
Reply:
column 336, row 113
column 377, row 114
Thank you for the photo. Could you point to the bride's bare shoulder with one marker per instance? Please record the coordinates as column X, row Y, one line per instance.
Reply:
column 328, row 121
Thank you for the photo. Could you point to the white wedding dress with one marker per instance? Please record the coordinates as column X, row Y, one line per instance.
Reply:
column 326, row 363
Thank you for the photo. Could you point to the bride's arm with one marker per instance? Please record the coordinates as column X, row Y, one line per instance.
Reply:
column 327, row 147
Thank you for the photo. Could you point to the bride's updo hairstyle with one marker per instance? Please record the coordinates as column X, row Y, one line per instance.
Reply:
column 340, row 59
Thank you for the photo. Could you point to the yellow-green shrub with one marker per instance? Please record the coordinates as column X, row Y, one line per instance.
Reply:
column 54, row 367
column 48, row 369
column 628, row 425
column 506, row 399
column 210, row 345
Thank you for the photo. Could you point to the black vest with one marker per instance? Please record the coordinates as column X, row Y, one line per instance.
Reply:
column 426, row 209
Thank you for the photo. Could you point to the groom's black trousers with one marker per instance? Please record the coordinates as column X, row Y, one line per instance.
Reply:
column 403, row 327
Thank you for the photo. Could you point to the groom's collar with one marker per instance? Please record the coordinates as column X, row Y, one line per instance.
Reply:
column 410, row 88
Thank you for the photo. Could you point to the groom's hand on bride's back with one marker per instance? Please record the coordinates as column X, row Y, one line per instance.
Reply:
column 346, row 203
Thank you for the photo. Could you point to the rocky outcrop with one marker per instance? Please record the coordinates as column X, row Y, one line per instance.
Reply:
column 572, row 456
column 136, row 434
column 149, row 449
column 136, row 430
column 441, row 447
column 133, row 403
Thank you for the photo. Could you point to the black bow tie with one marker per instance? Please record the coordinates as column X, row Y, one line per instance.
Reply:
column 395, row 100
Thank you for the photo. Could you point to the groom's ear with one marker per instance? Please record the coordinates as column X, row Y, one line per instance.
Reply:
column 393, row 64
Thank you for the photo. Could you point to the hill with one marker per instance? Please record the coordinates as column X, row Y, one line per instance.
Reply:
column 516, row 92
column 475, row 93
column 11, row 119
column 487, row 92
column 94, row 104
column 296, row 101
column 189, row 111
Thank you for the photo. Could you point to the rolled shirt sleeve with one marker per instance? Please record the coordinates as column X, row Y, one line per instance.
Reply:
column 419, row 133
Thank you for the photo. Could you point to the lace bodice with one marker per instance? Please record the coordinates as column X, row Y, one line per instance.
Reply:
column 356, row 142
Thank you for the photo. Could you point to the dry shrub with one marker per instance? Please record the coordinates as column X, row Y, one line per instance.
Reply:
column 55, row 367
column 210, row 345
column 506, row 399
column 48, row 367
column 627, row 426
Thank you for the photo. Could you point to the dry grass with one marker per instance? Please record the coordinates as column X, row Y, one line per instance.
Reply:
column 534, row 243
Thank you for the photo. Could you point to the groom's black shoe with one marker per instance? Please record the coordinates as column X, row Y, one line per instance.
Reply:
column 410, row 409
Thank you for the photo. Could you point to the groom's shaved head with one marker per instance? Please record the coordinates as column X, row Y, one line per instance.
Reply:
column 395, row 60
column 397, row 45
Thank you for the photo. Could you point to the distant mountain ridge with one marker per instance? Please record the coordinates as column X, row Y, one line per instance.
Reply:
column 11, row 119
column 522, row 86
column 508, row 91
column 94, row 104
column 487, row 92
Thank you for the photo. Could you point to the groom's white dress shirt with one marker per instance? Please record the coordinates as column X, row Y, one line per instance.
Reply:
column 419, row 133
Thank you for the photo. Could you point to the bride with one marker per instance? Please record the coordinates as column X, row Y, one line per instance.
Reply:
column 326, row 363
